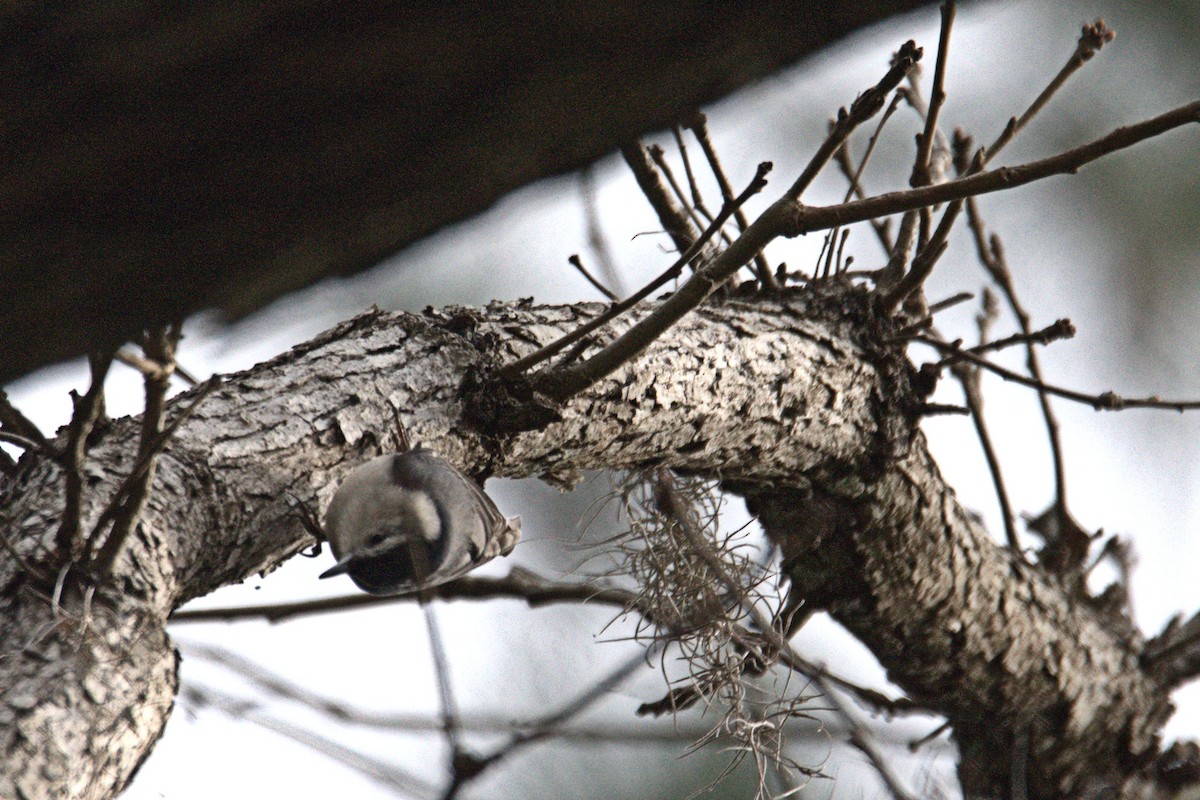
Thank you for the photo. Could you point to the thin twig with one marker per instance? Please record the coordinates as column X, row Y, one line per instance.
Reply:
column 806, row 219
column 991, row 254
column 148, row 367
column 868, row 104
column 927, row 256
column 1105, row 401
column 493, row 724
column 23, row 442
column 1174, row 654
column 88, row 410
column 698, row 125
column 854, row 175
column 697, row 211
column 862, row 739
column 968, row 378
column 446, row 701
column 893, row 271
column 384, row 772
column 577, row 263
column 519, row 584
column 159, row 347
column 952, row 300
column 106, row 556
column 1091, row 39
column 20, row 425
column 545, row 727
column 697, row 196
column 595, row 231
column 522, row 364
column 841, row 266
column 673, row 219
column 921, row 175
column 787, row 217
column 1055, row 331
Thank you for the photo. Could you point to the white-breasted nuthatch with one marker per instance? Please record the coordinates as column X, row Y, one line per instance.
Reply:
column 411, row 520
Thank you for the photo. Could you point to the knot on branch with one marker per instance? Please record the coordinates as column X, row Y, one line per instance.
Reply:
column 500, row 406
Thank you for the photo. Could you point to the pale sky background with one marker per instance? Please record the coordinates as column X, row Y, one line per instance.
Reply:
column 1116, row 249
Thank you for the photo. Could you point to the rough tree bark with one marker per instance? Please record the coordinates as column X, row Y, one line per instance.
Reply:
column 224, row 153
column 795, row 401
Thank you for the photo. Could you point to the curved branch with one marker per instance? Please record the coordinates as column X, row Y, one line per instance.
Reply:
column 790, row 398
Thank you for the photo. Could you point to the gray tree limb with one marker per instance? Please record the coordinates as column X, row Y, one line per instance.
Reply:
column 795, row 401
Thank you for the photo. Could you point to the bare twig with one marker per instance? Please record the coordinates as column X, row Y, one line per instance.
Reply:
column 789, row 218
column 694, row 203
column 148, row 367
column 921, row 175
column 1092, row 38
column 88, row 410
column 552, row 349
column 840, row 265
column 577, row 263
column 991, row 254
column 854, row 174
column 893, row 271
column 25, row 443
column 18, row 424
column 968, row 377
column 277, row 685
column 1174, row 655
column 446, row 701
column 1105, row 401
column 673, row 218
column 384, row 772
column 544, row 728
column 106, row 556
column 806, row 219
column 868, row 104
column 952, row 300
column 159, row 347
column 595, row 232
column 862, row 739
column 1059, row 329
column 698, row 125
column 519, row 584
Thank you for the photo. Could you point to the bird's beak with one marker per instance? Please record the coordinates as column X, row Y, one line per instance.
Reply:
column 340, row 568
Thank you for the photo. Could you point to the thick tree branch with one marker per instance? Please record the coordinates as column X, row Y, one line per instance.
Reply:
column 968, row 628
column 792, row 391
column 220, row 512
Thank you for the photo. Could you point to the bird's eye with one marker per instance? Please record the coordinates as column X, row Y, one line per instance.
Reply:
column 376, row 539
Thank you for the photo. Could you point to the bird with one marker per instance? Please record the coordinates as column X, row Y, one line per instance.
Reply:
column 408, row 521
